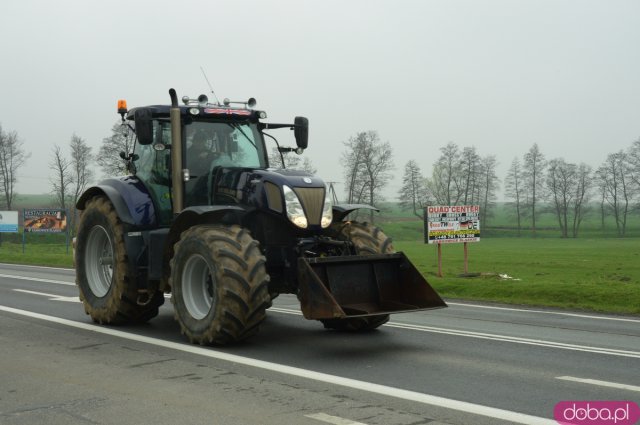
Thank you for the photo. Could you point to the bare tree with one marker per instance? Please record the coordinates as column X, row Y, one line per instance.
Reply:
column 351, row 161
column 469, row 169
column 291, row 161
column 81, row 159
column 12, row 157
column 367, row 166
column 602, row 196
column 488, row 184
column 583, row 189
column 617, row 189
column 561, row 182
column 533, row 173
column 414, row 194
column 444, row 183
column 62, row 178
column 633, row 159
column 514, row 190
column 108, row 157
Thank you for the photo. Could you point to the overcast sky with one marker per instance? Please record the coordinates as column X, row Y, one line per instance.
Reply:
column 497, row 75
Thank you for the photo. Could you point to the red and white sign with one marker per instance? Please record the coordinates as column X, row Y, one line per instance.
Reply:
column 452, row 224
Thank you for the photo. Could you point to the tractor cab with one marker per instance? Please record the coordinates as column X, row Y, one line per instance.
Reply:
column 213, row 137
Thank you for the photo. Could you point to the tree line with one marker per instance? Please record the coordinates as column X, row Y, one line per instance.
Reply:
column 533, row 185
column 460, row 175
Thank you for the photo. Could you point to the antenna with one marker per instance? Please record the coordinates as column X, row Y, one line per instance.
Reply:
column 212, row 92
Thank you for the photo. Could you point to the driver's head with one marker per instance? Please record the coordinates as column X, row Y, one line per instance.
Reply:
column 199, row 139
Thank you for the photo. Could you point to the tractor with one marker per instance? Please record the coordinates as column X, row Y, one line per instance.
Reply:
column 202, row 216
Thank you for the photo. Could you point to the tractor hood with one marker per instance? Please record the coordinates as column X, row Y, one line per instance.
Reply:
column 294, row 193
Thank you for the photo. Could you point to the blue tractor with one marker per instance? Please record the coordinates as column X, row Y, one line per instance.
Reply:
column 203, row 217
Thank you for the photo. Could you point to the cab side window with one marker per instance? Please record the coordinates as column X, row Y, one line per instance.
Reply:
column 153, row 168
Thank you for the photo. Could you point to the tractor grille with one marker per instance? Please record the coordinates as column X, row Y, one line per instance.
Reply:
column 312, row 199
column 274, row 196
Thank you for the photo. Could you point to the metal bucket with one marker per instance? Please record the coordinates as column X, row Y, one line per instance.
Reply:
column 362, row 285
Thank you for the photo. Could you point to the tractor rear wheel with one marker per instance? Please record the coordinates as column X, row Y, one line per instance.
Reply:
column 219, row 284
column 105, row 283
column 366, row 240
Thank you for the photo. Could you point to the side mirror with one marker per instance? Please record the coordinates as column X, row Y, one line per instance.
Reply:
column 301, row 131
column 144, row 126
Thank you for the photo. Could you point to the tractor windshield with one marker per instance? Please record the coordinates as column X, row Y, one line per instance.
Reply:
column 225, row 144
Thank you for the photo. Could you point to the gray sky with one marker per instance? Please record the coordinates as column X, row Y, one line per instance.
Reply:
column 497, row 75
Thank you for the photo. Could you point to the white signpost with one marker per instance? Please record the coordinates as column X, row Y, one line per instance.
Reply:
column 452, row 224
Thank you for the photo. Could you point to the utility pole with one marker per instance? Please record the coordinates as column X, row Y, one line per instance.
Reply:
column 332, row 192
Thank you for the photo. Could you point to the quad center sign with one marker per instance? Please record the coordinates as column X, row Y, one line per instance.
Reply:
column 452, row 224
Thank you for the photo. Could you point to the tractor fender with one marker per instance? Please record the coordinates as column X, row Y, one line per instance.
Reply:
column 340, row 211
column 129, row 197
column 192, row 216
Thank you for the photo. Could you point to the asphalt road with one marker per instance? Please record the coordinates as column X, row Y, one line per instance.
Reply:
column 468, row 364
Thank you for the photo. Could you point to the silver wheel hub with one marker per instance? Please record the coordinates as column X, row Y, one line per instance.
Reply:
column 99, row 261
column 197, row 287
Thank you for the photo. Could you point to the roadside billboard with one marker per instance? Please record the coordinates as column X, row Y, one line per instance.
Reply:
column 45, row 221
column 8, row 221
column 451, row 224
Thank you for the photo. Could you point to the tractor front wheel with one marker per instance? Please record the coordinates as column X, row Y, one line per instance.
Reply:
column 219, row 284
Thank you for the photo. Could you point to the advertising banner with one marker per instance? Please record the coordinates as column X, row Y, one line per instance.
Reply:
column 45, row 221
column 452, row 224
column 8, row 221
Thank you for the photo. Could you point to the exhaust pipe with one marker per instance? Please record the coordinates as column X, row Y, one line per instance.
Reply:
column 176, row 154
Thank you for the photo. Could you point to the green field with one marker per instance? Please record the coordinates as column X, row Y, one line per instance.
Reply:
column 591, row 274
column 595, row 272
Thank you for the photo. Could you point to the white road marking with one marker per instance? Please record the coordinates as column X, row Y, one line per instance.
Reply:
column 560, row 313
column 335, row 420
column 384, row 390
column 35, row 267
column 517, row 340
column 488, row 307
column 52, row 297
column 35, row 279
column 600, row 383
column 446, row 331
column 495, row 337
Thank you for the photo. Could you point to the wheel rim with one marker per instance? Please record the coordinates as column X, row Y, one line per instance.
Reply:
column 99, row 261
column 197, row 287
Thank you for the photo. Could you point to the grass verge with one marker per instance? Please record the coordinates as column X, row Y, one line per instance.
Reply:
column 52, row 255
column 588, row 274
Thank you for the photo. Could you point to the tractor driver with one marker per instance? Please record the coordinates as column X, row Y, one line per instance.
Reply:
column 200, row 154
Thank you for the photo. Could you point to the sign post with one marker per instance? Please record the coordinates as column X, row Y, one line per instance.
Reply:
column 452, row 224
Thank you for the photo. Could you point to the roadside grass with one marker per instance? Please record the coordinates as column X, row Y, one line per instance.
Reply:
column 40, row 249
column 37, row 254
column 588, row 274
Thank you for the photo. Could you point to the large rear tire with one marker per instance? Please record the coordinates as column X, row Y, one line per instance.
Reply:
column 107, row 288
column 219, row 284
column 366, row 240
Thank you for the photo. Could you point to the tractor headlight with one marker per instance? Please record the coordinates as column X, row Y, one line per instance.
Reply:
column 327, row 211
column 294, row 208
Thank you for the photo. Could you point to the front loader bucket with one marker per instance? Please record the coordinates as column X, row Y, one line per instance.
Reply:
column 362, row 285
